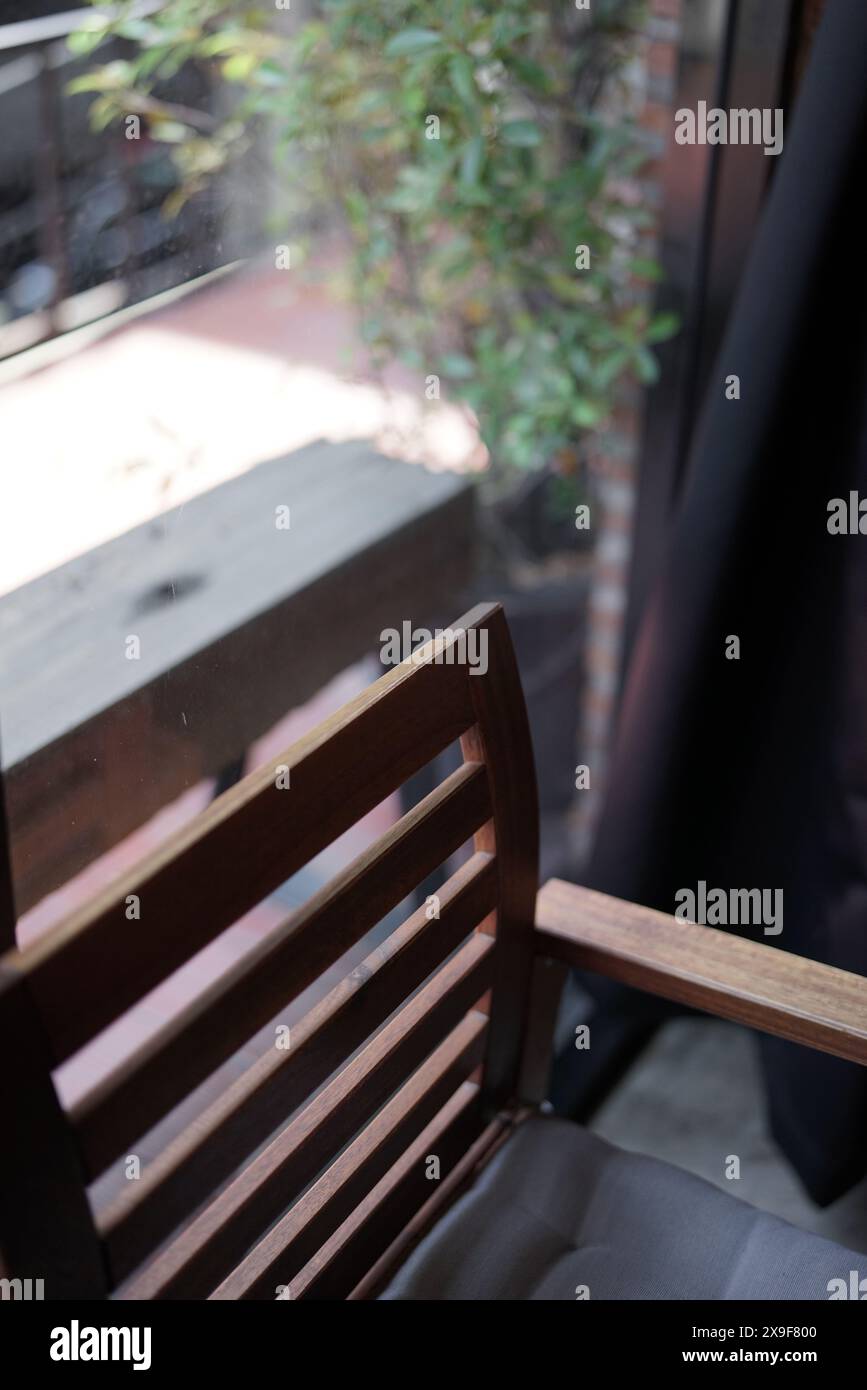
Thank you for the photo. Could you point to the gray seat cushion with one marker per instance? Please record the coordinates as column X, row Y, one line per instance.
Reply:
column 558, row 1208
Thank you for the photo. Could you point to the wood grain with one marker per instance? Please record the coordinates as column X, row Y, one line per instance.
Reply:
column 336, row 1269
column 746, row 981
column 203, row 1035
column 210, row 1149
column 216, row 1239
column 462, row 1175
column 296, row 1238
column 501, row 739
column 548, row 978
column 333, row 1123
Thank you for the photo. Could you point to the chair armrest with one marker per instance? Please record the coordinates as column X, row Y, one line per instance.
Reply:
column 746, row 981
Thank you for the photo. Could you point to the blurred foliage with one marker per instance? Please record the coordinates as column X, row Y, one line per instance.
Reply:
column 469, row 150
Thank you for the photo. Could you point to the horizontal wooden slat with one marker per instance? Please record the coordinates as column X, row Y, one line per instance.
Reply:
column 747, row 981
column 413, row 1229
column 209, row 1150
column 300, row 1234
column 377, row 1221
column 217, row 1238
column 203, row 1035
column 98, row 963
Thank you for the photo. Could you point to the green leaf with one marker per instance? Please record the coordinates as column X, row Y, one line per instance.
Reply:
column 531, row 73
column 89, row 82
column 663, row 326
column 151, row 60
column 472, row 159
column 412, row 41
column 586, row 414
column 611, row 367
column 646, row 270
column 102, row 112
column 239, row 67
column 579, row 361
column 462, row 74
column 271, row 74
column 84, row 41
column 475, row 195
column 141, row 31
column 521, row 133
column 175, row 202
column 171, row 132
column 113, row 77
column 222, row 42
column 481, row 223
column 646, row 367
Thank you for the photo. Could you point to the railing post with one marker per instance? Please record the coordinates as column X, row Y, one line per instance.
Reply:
column 48, row 191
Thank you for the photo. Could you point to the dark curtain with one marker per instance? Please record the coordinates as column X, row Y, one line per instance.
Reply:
column 753, row 772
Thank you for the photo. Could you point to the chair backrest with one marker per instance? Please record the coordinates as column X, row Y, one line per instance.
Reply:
column 407, row 1057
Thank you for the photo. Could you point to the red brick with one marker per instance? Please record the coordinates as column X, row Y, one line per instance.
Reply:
column 658, row 118
column 661, row 58
column 611, row 573
column 599, row 706
column 601, row 658
column 619, row 521
column 603, row 621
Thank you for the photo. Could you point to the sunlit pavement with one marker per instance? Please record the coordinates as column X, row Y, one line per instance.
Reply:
column 182, row 398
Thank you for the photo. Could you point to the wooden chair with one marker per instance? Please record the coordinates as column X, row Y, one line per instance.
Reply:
column 313, row 1173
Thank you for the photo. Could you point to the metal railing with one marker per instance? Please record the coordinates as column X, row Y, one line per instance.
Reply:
column 37, row 52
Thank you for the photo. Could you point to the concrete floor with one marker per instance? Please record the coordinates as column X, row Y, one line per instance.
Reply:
column 696, row 1096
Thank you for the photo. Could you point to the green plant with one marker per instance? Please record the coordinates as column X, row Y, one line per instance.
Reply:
column 471, row 150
